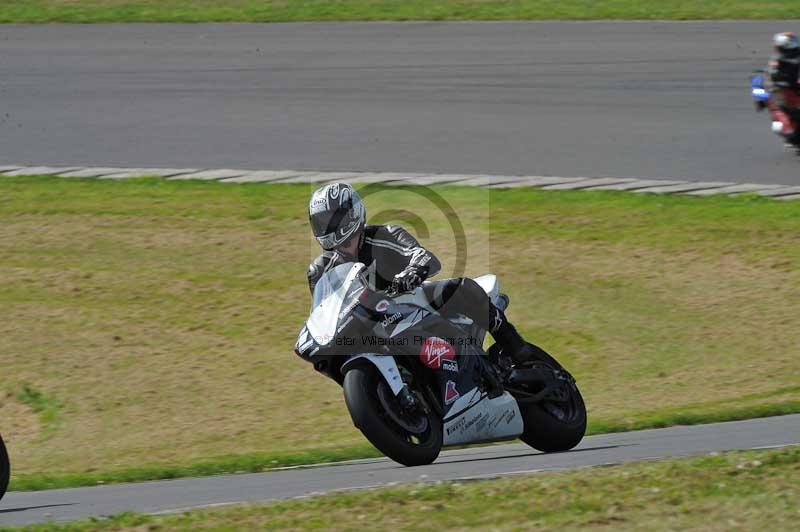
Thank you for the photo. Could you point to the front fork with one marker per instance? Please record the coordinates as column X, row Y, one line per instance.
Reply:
column 388, row 368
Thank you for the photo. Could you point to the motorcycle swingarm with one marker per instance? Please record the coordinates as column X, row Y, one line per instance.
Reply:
column 530, row 375
column 552, row 381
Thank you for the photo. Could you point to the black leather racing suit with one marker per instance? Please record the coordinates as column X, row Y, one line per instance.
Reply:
column 784, row 71
column 783, row 83
column 387, row 250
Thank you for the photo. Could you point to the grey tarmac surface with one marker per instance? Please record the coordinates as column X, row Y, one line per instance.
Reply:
column 482, row 462
column 662, row 100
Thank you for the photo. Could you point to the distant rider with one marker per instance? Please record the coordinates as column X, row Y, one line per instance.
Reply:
column 783, row 83
column 394, row 259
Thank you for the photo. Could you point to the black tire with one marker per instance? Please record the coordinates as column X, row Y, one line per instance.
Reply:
column 544, row 430
column 5, row 469
column 369, row 416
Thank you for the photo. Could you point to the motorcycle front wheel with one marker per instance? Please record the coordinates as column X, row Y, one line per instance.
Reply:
column 5, row 468
column 409, row 439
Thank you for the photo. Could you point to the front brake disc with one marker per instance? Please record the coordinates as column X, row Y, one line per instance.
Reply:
column 410, row 422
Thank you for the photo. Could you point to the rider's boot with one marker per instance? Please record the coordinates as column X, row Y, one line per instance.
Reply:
column 510, row 340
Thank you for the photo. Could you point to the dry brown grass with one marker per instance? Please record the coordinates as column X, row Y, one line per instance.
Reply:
column 160, row 318
column 20, row 422
column 645, row 329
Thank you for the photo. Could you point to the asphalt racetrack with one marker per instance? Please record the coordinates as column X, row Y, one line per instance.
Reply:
column 617, row 99
column 482, row 462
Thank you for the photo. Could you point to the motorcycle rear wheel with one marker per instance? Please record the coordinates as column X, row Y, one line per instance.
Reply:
column 555, row 426
column 380, row 427
column 5, row 469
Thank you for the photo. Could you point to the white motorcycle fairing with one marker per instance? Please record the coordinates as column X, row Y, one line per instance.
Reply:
column 488, row 282
column 480, row 418
column 490, row 285
column 385, row 364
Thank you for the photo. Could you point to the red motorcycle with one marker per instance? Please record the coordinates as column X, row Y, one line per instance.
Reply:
column 785, row 120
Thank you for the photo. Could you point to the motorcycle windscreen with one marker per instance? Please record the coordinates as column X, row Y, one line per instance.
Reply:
column 333, row 292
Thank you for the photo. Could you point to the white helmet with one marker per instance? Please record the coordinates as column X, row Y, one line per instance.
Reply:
column 786, row 43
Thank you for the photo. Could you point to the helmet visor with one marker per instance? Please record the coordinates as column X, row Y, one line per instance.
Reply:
column 335, row 228
column 326, row 222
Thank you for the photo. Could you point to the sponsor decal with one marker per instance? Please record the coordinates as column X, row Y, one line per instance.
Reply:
column 450, row 365
column 506, row 416
column 411, row 320
column 334, row 190
column 481, row 423
column 473, row 421
column 434, row 350
column 450, row 393
column 320, row 203
column 457, row 426
column 495, row 421
column 462, row 425
column 391, row 319
column 382, row 306
column 343, row 325
column 350, row 306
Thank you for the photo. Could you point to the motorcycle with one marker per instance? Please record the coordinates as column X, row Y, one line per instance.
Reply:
column 761, row 99
column 415, row 381
column 5, row 469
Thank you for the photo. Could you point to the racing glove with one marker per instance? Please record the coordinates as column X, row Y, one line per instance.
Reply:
column 408, row 280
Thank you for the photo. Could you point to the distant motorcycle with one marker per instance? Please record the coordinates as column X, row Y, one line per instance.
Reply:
column 415, row 381
column 762, row 100
column 5, row 468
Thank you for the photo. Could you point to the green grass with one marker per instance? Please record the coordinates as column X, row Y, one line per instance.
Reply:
column 46, row 407
column 339, row 10
column 731, row 491
column 159, row 316
column 252, row 463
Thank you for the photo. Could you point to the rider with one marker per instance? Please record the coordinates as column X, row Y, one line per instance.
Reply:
column 395, row 259
column 784, row 86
